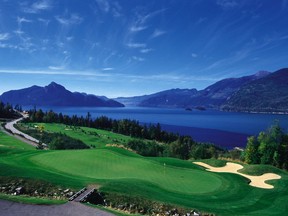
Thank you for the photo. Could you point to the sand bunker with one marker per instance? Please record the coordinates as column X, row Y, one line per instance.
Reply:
column 256, row 181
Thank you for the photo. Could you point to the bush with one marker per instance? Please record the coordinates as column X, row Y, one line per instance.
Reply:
column 61, row 141
column 146, row 148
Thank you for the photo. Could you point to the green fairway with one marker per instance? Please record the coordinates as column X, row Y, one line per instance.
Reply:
column 166, row 180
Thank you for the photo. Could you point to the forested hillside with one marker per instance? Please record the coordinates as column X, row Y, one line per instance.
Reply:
column 268, row 94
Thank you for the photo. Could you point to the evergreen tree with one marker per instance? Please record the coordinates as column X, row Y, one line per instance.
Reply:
column 251, row 151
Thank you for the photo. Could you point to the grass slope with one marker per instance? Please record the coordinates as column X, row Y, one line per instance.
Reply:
column 177, row 182
column 12, row 142
column 90, row 136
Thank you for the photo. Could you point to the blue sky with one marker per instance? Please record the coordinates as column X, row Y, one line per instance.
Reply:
column 135, row 47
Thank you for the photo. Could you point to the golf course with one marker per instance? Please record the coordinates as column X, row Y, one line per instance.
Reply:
column 161, row 179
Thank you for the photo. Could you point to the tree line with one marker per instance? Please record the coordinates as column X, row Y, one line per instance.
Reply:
column 269, row 147
column 150, row 140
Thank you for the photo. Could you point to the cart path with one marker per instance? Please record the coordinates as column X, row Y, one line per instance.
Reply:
column 20, row 135
column 8, row 208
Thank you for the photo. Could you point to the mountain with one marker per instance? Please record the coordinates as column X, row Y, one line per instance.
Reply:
column 55, row 95
column 268, row 94
column 211, row 97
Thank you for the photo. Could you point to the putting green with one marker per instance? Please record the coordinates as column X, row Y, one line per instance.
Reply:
column 106, row 164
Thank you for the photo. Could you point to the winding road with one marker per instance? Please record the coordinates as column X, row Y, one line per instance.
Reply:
column 20, row 135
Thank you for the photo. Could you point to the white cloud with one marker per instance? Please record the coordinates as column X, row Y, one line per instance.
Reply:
column 4, row 36
column 157, row 33
column 72, row 20
column 136, row 45
column 38, row 6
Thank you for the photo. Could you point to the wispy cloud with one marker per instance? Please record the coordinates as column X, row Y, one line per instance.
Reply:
column 142, row 19
column 70, row 38
column 19, row 32
column 73, row 19
column 107, row 69
column 146, row 50
column 227, row 4
column 157, row 33
column 137, row 28
column 53, row 70
column 113, row 77
column 21, row 20
column 201, row 20
column 136, row 58
column 232, row 60
column 26, row 42
column 116, row 9
column 194, row 55
column 7, row 46
column 140, row 22
column 136, row 45
column 4, row 36
column 56, row 67
column 44, row 21
column 170, row 77
column 103, row 5
column 246, row 52
column 112, row 7
column 38, row 6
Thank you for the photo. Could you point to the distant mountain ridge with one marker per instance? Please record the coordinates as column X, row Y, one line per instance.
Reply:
column 268, row 94
column 55, row 95
column 214, row 96
column 261, row 92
